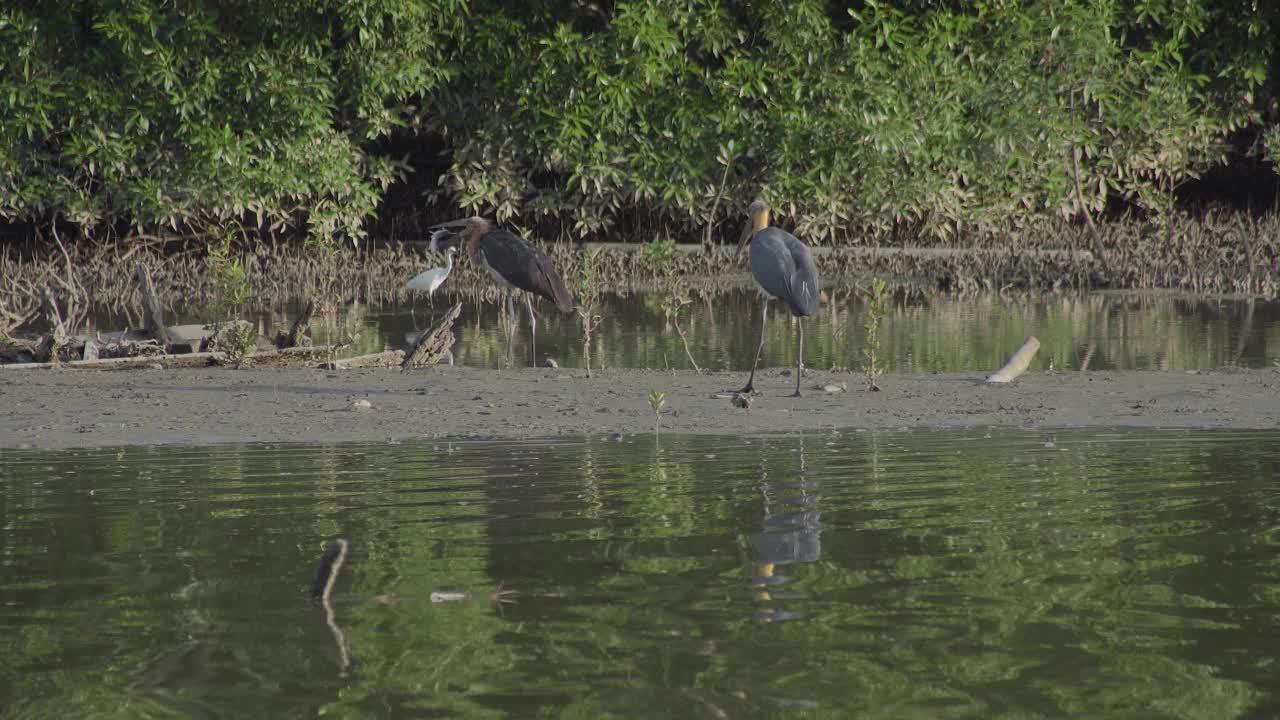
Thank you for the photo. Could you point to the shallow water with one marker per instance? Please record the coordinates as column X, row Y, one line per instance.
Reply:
column 1108, row 331
column 912, row 574
column 1098, row 331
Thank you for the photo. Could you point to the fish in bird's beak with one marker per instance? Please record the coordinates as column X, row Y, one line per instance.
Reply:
column 742, row 240
column 439, row 240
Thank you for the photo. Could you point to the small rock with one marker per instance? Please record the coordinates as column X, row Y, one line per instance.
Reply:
column 833, row 388
column 551, row 363
column 361, row 404
column 741, row 401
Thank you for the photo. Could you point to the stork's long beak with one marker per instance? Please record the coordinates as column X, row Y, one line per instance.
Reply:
column 452, row 225
column 742, row 240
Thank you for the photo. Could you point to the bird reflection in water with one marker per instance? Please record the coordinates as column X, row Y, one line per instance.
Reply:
column 791, row 533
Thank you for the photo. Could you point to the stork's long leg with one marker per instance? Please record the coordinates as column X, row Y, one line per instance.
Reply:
column 511, row 327
column 533, row 331
column 799, row 353
column 764, row 319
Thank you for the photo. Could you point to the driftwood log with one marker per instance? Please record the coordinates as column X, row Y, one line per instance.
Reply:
column 432, row 346
column 289, row 357
column 125, row 363
column 386, row 358
column 1018, row 363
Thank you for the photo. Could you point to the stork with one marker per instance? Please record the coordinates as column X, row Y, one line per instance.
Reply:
column 784, row 270
column 515, row 264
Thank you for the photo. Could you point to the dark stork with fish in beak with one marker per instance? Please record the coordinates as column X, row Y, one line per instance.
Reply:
column 513, row 262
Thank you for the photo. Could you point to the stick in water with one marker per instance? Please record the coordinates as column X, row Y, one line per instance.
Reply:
column 335, row 553
column 1018, row 363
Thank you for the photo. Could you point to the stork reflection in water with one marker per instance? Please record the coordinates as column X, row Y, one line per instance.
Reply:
column 515, row 264
column 784, row 269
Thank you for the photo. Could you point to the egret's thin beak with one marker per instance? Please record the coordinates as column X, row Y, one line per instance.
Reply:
column 742, row 240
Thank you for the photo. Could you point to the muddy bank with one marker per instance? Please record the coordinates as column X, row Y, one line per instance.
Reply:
column 70, row 409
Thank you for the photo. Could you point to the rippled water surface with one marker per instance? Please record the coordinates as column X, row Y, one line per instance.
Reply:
column 911, row 574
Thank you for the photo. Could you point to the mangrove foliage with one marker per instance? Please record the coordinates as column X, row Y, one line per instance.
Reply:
column 641, row 118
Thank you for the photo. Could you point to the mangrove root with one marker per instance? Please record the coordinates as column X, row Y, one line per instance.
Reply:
column 152, row 314
column 297, row 336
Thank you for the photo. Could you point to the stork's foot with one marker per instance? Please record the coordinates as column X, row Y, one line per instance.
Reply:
column 745, row 390
column 795, row 394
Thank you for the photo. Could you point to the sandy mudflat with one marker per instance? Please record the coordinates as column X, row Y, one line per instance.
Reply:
column 80, row 408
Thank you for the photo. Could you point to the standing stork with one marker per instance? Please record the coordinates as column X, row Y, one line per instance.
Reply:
column 784, row 269
column 515, row 264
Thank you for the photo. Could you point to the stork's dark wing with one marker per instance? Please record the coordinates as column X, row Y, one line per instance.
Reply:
column 804, row 279
column 525, row 267
column 784, row 268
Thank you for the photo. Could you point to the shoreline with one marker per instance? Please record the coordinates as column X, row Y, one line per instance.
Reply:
column 64, row 409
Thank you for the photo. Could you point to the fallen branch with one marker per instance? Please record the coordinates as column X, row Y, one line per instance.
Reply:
column 296, row 357
column 125, row 363
column 433, row 344
column 382, row 359
column 1018, row 363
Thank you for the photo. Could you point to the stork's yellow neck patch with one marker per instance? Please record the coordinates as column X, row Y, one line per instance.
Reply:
column 759, row 221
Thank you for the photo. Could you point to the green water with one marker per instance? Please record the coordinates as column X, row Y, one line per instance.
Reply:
column 883, row 575
column 1099, row 331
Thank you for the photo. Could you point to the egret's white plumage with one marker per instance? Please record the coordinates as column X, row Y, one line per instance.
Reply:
column 429, row 281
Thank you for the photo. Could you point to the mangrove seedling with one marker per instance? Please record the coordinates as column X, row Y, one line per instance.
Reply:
column 347, row 330
column 660, row 253
column 877, row 299
column 588, row 302
column 656, row 400
column 671, row 307
column 235, row 339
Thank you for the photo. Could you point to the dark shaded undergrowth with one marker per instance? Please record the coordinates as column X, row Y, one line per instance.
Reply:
column 1219, row 254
